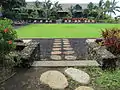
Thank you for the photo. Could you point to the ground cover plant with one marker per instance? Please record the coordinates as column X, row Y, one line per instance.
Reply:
column 100, row 80
column 63, row 30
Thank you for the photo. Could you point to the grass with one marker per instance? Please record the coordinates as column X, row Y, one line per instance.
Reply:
column 100, row 80
column 63, row 30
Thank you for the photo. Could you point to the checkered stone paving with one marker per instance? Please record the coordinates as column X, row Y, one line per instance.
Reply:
column 62, row 48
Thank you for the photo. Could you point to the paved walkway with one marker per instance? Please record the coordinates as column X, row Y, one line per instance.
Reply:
column 65, row 63
column 62, row 49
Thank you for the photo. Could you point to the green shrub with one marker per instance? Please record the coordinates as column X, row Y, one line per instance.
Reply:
column 110, row 21
column 109, row 80
column 7, row 37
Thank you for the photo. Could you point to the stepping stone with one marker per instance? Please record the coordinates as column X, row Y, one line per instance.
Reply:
column 56, row 57
column 66, row 43
column 55, row 79
column 68, row 52
column 55, row 49
column 56, row 43
column 56, row 52
column 84, row 88
column 78, row 75
column 57, row 46
column 68, row 48
column 70, row 57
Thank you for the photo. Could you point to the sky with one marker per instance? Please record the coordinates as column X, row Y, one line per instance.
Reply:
column 78, row 1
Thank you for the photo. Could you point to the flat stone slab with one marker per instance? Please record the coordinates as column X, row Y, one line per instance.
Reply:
column 84, row 88
column 55, row 49
column 55, row 46
column 68, row 48
column 70, row 57
column 68, row 52
column 56, row 52
column 78, row 75
column 56, row 43
column 55, row 79
column 56, row 57
column 80, row 63
column 66, row 43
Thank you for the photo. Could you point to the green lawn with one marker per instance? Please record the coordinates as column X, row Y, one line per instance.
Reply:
column 63, row 30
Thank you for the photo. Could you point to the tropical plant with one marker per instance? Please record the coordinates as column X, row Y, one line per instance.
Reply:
column 48, row 8
column 7, row 37
column 112, row 40
column 71, row 11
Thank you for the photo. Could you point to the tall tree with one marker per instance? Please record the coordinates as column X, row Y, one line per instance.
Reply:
column 90, row 6
column 114, row 7
column 8, row 5
column 71, row 11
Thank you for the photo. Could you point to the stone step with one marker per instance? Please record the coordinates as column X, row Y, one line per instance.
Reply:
column 80, row 63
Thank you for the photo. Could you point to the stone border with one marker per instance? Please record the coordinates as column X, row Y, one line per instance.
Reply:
column 99, row 53
column 30, row 53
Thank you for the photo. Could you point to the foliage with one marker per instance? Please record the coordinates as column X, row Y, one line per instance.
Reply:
column 8, row 5
column 7, row 36
column 112, row 40
column 49, row 9
column 109, row 80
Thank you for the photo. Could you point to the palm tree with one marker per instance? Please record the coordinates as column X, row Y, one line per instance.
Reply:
column 114, row 7
column 71, row 11
column 54, row 11
column 49, row 8
column 107, row 6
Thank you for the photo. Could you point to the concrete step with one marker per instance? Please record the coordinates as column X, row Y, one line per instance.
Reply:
column 80, row 63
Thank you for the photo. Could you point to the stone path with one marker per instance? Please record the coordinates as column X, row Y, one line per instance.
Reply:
column 62, row 50
column 58, row 80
